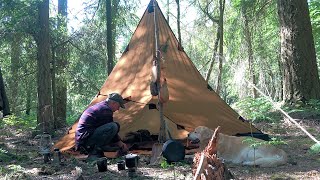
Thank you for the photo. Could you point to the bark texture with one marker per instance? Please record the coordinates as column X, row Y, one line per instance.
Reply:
column 248, row 39
column 109, row 36
column 207, row 165
column 178, row 22
column 4, row 103
column 301, row 78
column 60, row 103
column 45, row 116
column 221, row 12
column 15, row 66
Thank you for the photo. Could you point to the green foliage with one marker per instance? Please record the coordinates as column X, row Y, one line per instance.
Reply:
column 315, row 149
column 261, row 109
column 313, row 104
column 256, row 110
column 164, row 164
column 275, row 141
column 254, row 143
column 24, row 122
column 86, row 67
column 314, row 7
column 303, row 110
column 4, row 155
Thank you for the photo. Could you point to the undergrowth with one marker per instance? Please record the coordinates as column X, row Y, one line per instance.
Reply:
column 255, row 143
column 315, row 149
column 165, row 164
column 23, row 122
column 257, row 110
column 261, row 110
column 308, row 109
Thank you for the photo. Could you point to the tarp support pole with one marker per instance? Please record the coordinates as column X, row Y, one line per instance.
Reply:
column 162, row 135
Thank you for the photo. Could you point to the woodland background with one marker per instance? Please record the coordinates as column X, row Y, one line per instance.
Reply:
column 54, row 59
column 52, row 71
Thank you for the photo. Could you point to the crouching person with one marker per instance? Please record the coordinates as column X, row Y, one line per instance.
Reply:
column 96, row 130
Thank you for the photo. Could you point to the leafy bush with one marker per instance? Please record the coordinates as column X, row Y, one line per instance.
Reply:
column 22, row 122
column 72, row 118
column 262, row 110
column 300, row 110
column 315, row 149
column 164, row 164
column 257, row 110
column 314, row 104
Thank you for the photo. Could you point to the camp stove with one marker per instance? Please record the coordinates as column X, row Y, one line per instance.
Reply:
column 131, row 161
column 132, row 172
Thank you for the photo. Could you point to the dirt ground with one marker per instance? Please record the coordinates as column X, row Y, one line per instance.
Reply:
column 20, row 159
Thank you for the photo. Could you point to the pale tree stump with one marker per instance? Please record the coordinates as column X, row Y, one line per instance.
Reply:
column 207, row 166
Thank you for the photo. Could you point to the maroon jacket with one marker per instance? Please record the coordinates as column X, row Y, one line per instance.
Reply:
column 92, row 118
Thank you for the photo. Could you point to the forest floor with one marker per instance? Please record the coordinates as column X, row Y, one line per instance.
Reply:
column 20, row 159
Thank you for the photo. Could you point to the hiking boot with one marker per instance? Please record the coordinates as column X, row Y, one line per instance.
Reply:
column 108, row 148
column 82, row 150
column 120, row 153
column 94, row 155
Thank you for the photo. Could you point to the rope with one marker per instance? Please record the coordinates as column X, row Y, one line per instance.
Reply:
column 281, row 110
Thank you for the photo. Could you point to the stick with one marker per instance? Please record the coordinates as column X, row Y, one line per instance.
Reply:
column 200, row 167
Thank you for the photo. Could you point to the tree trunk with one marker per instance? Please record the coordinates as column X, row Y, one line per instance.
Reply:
column 281, row 74
column 60, row 100
column 214, row 54
column 178, row 22
column 4, row 103
column 168, row 10
column 45, row 116
column 114, row 12
column 15, row 66
column 248, row 37
column 28, row 97
column 53, row 86
column 219, row 22
column 109, row 36
column 301, row 78
column 221, row 8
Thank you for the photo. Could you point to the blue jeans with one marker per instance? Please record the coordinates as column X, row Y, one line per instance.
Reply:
column 103, row 135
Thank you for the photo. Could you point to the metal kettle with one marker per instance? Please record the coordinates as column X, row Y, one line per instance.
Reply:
column 131, row 160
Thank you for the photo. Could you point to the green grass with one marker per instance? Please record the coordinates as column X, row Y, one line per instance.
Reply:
column 255, row 143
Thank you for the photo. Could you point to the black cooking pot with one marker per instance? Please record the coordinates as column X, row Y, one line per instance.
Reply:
column 173, row 151
column 131, row 160
column 102, row 164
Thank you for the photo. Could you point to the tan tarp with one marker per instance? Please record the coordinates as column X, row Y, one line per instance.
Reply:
column 190, row 105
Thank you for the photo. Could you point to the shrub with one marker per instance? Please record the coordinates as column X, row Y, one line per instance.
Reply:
column 257, row 110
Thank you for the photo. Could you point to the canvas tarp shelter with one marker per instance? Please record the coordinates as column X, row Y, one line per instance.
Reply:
column 190, row 105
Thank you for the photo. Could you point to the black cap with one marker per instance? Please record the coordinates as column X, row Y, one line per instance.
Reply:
column 118, row 98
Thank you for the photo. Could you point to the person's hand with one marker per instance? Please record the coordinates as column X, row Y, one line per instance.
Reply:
column 123, row 146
